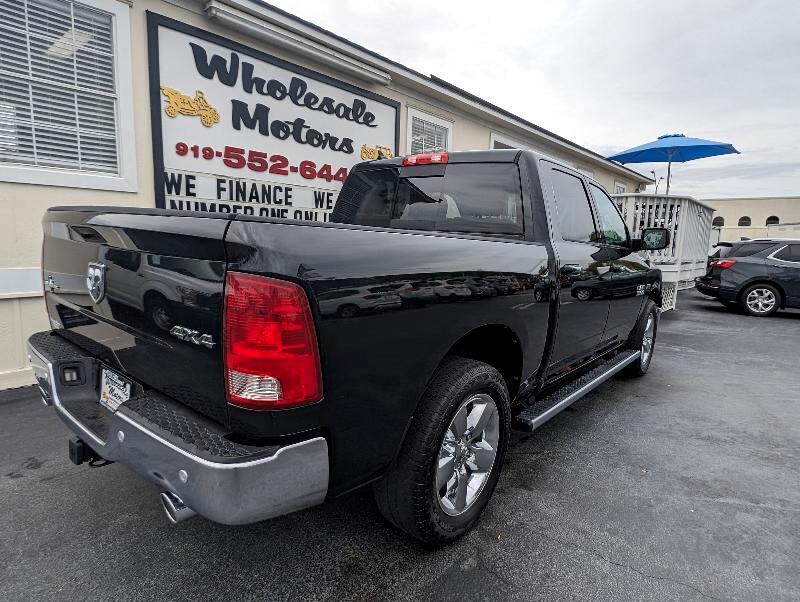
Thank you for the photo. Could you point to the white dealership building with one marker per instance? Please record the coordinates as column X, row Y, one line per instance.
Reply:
column 226, row 105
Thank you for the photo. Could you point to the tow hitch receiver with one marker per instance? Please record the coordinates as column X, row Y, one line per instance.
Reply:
column 79, row 453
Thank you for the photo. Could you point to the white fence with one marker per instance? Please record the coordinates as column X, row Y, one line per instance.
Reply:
column 689, row 223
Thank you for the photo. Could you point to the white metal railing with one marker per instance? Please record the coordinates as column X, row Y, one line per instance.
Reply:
column 689, row 223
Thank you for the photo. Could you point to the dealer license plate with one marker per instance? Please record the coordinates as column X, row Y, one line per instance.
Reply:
column 114, row 390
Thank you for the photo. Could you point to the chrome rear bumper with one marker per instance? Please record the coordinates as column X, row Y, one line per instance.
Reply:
column 229, row 491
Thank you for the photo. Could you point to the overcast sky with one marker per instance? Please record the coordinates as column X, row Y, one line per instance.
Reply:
column 610, row 75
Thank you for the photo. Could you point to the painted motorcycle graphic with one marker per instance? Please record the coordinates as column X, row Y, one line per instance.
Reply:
column 183, row 104
column 371, row 153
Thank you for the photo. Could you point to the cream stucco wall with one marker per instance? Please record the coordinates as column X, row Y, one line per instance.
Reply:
column 22, row 205
column 758, row 209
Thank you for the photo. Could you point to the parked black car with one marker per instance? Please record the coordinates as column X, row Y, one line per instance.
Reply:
column 759, row 276
column 298, row 389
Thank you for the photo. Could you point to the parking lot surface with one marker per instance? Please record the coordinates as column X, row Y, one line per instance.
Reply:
column 683, row 484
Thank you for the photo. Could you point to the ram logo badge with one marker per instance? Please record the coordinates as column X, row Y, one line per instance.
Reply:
column 192, row 336
column 96, row 281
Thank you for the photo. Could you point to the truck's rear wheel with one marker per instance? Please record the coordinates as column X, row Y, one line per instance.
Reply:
column 451, row 458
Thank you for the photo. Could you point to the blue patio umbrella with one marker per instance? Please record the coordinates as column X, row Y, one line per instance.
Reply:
column 673, row 147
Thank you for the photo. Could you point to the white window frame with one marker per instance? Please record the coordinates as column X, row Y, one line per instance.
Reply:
column 126, row 180
column 411, row 112
column 622, row 185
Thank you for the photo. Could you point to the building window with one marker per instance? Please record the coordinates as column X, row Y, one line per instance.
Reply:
column 773, row 220
column 60, row 93
column 619, row 187
column 428, row 134
column 744, row 220
column 718, row 222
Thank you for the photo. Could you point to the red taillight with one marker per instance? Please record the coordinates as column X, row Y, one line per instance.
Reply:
column 723, row 264
column 425, row 159
column 271, row 354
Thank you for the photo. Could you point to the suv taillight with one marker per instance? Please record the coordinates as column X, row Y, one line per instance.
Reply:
column 271, row 353
column 723, row 264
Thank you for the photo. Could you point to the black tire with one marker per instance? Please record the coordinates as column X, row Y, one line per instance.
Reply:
column 636, row 340
column 752, row 308
column 407, row 495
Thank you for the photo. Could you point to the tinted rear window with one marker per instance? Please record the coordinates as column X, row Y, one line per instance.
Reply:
column 748, row 249
column 481, row 198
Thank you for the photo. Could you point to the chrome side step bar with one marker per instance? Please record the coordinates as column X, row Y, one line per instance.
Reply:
column 544, row 409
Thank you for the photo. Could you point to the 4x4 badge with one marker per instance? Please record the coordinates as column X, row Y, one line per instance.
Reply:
column 192, row 336
column 96, row 281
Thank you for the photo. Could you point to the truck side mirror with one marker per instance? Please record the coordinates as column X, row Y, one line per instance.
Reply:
column 653, row 239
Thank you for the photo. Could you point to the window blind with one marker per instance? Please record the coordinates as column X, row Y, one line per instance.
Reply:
column 427, row 137
column 58, row 99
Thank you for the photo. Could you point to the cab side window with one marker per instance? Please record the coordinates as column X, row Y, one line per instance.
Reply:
column 612, row 228
column 572, row 206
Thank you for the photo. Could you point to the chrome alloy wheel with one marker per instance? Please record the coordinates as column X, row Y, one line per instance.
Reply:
column 761, row 300
column 647, row 340
column 467, row 454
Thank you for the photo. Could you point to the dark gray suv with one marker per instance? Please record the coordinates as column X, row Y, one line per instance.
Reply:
column 760, row 276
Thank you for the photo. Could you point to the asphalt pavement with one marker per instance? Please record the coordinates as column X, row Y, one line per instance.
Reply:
column 682, row 485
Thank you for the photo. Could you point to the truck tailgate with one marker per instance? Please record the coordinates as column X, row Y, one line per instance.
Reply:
column 142, row 290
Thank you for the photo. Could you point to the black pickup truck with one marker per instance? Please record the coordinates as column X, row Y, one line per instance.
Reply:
column 253, row 367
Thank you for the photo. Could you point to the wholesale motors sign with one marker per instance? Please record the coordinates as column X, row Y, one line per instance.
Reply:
column 239, row 131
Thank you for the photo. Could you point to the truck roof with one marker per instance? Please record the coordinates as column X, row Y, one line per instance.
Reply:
column 504, row 155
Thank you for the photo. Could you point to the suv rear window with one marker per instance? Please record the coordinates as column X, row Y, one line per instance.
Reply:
column 480, row 198
column 747, row 249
